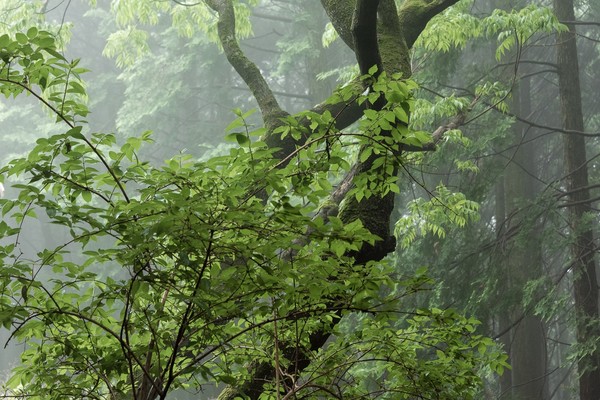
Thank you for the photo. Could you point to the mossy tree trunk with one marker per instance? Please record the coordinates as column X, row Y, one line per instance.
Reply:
column 380, row 34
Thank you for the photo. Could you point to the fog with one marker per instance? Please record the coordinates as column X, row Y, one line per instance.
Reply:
column 496, row 95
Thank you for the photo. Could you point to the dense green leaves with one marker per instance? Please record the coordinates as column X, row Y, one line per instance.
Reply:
column 191, row 271
column 32, row 64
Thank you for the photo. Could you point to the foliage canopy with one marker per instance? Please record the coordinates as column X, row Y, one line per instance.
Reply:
column 192, row 273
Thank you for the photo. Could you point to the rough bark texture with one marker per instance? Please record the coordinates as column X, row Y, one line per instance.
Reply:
column 585, row 283
column 378, row 38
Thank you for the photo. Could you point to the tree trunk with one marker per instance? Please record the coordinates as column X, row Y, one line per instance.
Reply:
column 528, row 339
column 585, row 283
column 373, row 30
column 504, row 284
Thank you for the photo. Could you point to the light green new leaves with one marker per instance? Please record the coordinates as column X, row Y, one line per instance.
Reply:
column 517, row 27
column 127, row 46
column 134, row 11
column 436, row 216
column 456, row 27
column 129, row 43
column 426, row 113
column 329, row 35
column 30, row 63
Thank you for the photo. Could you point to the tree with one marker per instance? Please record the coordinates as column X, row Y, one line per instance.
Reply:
column 250, row 256
column 583, row 249
column 527, row 339
column 539, row 282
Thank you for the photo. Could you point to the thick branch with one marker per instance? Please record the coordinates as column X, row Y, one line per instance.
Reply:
column 374, row 213
column 415, row 14
column 364, row 32
column 398, row 29
column 270, row 109
column 340, row 14
column 393, row 50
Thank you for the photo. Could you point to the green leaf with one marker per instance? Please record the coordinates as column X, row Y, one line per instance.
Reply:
column 373, row 70
column 32, row 32
column 21, row 38
column 87, row 196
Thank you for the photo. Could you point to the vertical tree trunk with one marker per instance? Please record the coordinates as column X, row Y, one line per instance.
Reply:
column 585, row 283
column 528, row 339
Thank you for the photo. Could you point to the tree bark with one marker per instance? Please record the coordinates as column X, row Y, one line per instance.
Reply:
column 585, row 283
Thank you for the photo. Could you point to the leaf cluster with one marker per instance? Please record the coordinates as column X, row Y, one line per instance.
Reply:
column 30, row 63
column 456, row 28
column 443, row 211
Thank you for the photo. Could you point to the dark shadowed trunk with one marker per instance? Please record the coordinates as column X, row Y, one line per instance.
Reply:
column 380, row 34
column 527, row 347
column 585, row 283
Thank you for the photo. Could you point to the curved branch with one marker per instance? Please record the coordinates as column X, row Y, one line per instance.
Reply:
column 340, row 14
column 87, row 141
column 269, row 107
column 415, row 14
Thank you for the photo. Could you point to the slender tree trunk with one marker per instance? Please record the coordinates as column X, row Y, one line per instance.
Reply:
column 504, row 285
column 585, row 283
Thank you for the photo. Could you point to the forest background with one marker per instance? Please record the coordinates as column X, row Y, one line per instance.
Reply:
column 390, row 238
